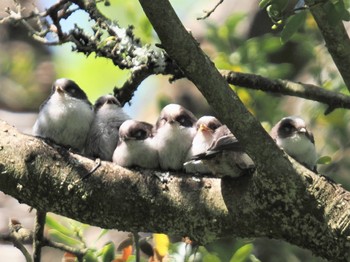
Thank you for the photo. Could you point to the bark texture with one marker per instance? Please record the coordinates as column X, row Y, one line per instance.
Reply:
column 335, row 36
column 307, row 209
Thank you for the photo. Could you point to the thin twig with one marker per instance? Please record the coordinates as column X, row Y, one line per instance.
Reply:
column 38, row 239
column 17, row 243
column 137, row 245
column 208, row 13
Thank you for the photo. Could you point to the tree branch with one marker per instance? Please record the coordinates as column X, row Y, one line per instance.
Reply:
column 145, row 60
column 185, row 51
column 197, row 67
column 208, row 13
column 284, row 87
column 335, row 36
column 18, row 244
column 19, row 236
column 38, row 239
column 314, row 214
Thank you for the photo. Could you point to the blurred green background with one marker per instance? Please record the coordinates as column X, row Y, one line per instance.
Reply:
column 238, row 36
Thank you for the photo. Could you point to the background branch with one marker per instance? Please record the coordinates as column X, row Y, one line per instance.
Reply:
column 335, row 36
column 284, row 87
column 156, row 61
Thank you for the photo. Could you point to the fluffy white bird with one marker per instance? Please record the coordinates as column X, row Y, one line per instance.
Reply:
column 173, row 136
column 104, row 132
column 135, row 146
column 66, row 116
column 292, row 135
column 225, row 156
column 205, row 128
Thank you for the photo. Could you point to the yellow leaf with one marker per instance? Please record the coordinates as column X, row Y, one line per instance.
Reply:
column 161, row 244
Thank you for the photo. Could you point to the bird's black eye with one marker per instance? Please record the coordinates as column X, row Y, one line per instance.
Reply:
column 140, row 134
column 288, row 128
column 70, row 90
column 184, row 120
column 213, row 126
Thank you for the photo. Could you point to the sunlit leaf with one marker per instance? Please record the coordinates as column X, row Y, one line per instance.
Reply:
column 53, row 223
column 264, row 3
column 341, row 10
column 161, row 244
column 62, row 238
column 103, row 232
column 324, row 160
column 211, row 258
column 90, row 256
column 292, row 26
column 242, row 253
column 107, row 252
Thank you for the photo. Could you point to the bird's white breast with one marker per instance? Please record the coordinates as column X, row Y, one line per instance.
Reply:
column 64, row 119
column 299, row 147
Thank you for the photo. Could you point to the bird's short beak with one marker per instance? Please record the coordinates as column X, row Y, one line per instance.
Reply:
column 109, row 102
column 302, row 130
column 59, row 89
column 203, row 128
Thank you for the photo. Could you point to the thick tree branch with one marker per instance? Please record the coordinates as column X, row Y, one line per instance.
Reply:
column 314, row 215
column 181, row 47
column 185, row 51
column 335, row 36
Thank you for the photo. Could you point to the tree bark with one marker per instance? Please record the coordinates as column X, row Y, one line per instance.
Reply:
column 334, row 33
column 306, row 210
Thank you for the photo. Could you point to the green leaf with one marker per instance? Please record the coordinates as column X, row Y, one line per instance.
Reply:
column 52, row 223
column 103, row 232
column 90, row 256
column 324, row 160
column 62, row 238
column 292, row 25
column 242, row 253
column 341, row 10
column 264, row 3
column 107, row 252
column 211, row 258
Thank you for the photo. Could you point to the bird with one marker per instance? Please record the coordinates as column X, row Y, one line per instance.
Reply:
column 104, row 132
column 174, row 132
column 225, row 156
column 65, row 116
column 205, row 128
column 135, row 146
column 292, row 135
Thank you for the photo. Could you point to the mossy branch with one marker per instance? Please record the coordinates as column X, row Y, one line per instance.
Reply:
column 306, row 209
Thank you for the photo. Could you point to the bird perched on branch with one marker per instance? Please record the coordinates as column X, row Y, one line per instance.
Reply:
column 103, row 136
column 135, row 146
column 292, row 135
column 205, row 128
column 173, row 136
column 66, row 116
column 225, row 156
